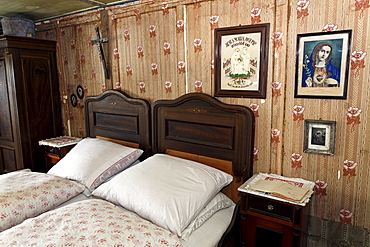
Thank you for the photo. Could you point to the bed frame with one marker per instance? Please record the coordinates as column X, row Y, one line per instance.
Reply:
column 199, row 127
column 115, row 116
column 195, row 126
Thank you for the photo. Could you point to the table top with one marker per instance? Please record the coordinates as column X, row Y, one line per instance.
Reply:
column 60, row 141
column 259, row 176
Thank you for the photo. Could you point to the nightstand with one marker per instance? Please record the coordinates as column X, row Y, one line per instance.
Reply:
column 56, row 148
column 270, row 221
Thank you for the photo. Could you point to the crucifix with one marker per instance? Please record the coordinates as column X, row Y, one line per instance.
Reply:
column 99, row 41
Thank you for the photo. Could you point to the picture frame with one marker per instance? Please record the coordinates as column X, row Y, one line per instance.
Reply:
column 319, row 137
column 73, row 100
column 241, row 61
column 322, row 64
column 80, row 92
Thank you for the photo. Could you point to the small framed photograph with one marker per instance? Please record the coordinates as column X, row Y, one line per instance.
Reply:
column 241, row 61
column 322, row 65
column 80, row 92
column 73, row 100
column 319, row 137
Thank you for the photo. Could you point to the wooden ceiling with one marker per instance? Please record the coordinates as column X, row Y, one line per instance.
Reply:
column 40, row 10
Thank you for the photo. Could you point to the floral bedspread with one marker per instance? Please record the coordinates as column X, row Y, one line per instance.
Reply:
column 90, row 223
column 25, row 194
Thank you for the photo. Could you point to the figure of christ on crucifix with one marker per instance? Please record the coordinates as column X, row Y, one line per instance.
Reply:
column 99, row 42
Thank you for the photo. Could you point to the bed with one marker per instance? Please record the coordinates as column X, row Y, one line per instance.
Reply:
column 25, row 194
column 177, row 137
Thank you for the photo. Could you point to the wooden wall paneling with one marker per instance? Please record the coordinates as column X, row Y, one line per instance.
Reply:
column 166, row 47
column 277, row 16
column 339, row 193
column 199, row 47
column 128, row 53
column 181, row 63
column 361, row 77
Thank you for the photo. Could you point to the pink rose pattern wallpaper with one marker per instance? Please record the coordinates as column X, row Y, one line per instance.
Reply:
column 164, row 49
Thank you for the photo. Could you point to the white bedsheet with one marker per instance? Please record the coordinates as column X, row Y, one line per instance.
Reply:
column 25, row 194
column 210, row 233
column 92, row 222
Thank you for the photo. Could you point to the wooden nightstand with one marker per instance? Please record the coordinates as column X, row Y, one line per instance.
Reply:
column 270, row 221
column 56, row 148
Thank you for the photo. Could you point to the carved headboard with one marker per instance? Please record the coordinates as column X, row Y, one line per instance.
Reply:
column 115, row 115
column 199, row 124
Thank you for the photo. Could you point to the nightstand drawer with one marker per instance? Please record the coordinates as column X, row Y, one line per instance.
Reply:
column 58, row 152
column 53, row 151
column 271, row 208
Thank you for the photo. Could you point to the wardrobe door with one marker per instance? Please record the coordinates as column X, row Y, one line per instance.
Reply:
column 7, row 153
column 40, row 103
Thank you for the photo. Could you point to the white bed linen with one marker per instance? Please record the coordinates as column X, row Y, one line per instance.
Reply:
column 78, row 198
column 211, row 232
column 25, row 194
column 92, row 222
column 207, row 235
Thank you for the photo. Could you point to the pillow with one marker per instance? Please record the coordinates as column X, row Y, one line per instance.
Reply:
column 166, row 190
column 220, row 201
column 93, row 160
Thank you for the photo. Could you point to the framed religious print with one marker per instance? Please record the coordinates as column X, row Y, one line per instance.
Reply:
column 322, row 64
column 319, row 137
column 241, row 61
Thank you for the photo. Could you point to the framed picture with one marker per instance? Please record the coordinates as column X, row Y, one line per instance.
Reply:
column 80, row 92
column 322, row 64
column 74, row 100
column 241, row 61
column 319, row 137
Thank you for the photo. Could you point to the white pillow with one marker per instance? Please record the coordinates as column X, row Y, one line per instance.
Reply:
column 166, row 190
column 93, row 160
column 220, row 201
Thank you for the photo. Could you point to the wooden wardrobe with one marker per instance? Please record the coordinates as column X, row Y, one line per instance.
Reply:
column 29, row 101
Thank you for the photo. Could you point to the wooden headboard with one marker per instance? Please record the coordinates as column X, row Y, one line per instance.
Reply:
column 199, row 127
column 114, row 115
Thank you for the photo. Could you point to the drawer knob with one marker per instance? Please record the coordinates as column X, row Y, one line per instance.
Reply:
column 270, row 207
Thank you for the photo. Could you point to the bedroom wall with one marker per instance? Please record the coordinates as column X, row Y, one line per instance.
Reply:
column 177, row 57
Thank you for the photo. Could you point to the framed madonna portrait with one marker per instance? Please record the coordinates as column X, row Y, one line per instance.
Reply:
column 241, row 61
column 322, row 64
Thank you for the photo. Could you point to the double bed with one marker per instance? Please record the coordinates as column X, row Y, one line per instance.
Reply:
column 164, row 174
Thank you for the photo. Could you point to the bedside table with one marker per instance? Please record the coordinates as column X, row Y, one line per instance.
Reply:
column 56, row 148
column 270, row 221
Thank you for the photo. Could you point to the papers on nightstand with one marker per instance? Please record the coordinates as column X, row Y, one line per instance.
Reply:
column 292, row 190
column 61, row 141
column 282, row 189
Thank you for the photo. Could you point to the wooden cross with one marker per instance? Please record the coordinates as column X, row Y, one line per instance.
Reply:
column 99, row 41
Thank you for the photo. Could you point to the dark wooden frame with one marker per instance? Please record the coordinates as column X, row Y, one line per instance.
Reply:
column 247, row 34
column 328, row 145
column 113, row 114
column 340, row 55
column 200, row 124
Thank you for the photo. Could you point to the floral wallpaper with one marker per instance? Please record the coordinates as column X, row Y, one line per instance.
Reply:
column 163, row 49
